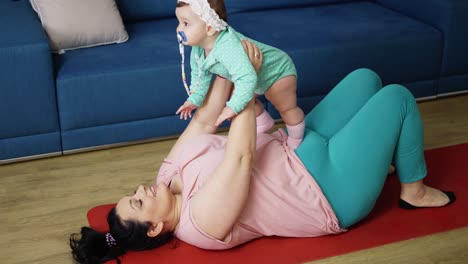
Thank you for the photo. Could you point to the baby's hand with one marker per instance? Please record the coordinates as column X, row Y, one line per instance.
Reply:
column 226, row 114
column 186, row 110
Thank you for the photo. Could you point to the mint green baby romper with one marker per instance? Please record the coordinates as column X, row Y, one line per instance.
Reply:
column 229, row 60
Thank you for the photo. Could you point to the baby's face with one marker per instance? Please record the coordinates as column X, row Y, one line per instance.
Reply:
column 194, row 28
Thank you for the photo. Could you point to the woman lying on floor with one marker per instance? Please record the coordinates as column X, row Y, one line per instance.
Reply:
column 216, row 192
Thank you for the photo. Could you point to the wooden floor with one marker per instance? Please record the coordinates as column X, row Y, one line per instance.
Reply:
column 43, row 201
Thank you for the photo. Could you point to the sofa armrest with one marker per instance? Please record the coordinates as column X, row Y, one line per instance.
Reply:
column 27, row 86
column 19, row 24
column 448, row 16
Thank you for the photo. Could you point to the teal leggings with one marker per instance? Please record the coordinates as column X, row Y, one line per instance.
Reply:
column 354, row 134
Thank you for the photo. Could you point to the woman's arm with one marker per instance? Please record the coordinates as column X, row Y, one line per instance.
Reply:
column 203, row 122
column 218, row 204
column 205, row 117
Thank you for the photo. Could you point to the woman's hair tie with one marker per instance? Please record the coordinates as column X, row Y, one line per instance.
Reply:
column 110, row 240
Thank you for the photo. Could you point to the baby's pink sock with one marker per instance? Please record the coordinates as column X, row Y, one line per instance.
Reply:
column 264, row 122
column 295, row 134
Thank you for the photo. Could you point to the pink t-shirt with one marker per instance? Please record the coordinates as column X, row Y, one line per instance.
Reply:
column 284, row 199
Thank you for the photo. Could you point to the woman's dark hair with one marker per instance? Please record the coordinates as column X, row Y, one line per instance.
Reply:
column 92, row 246
column 218, row 6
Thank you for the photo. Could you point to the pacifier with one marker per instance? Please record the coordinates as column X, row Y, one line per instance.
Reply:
column 181, row 37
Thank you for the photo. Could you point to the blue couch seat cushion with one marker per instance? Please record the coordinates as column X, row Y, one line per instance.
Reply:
column 141, row 10
column 235, row 6
column 136, row 80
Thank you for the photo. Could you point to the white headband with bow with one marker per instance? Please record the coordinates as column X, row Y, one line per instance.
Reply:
column 203, row 9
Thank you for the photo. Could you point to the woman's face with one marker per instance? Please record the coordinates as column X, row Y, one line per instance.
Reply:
column 194, row 28
column 149, row 204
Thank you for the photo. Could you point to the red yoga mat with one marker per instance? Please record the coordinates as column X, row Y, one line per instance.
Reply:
column 448, row 170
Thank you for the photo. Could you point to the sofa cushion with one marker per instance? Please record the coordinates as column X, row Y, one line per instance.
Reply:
column 327, row 42
column 16, row 31
column 140, row 10
column 450, row 17
column 234, row 6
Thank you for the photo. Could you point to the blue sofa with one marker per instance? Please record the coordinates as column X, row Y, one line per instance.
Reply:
column 114, row 94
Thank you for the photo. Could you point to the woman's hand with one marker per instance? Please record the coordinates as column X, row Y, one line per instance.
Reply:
column 254, row 53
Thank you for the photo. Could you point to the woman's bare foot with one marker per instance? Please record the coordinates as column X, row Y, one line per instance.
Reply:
column 420, row 195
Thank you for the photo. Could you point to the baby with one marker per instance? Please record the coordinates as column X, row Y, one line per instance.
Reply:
column 217, row 49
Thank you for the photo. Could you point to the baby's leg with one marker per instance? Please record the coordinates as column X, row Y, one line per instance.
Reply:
column 282, row 94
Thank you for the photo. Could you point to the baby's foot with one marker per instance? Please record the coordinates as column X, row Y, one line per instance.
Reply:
column 294, row 143
column 295, row 134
